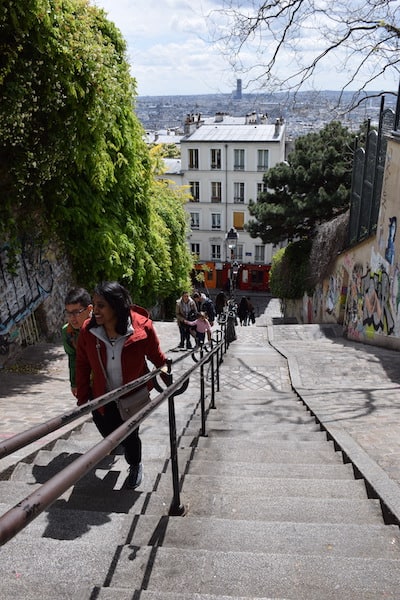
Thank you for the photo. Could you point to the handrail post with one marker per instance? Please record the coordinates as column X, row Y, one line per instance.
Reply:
column 223, row 345
column 212, row 403
column 176, row 508
column 202, row 396
column 219, row 358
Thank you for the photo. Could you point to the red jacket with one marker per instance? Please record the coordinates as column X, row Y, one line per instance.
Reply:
column 141, row 344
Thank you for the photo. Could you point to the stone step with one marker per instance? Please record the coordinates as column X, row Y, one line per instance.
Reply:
column 270, row 487
column 227, row 436
column 297, row 418
column 122, row 594
column 231, row 450
column 279, row 427
column 13, row 492
column 274, row 433
column 244, row 397
column 158, row 449
column 60, row 523
column 249, row 411
column 240, row 430
column 324, row 539
column 197, row 466
column 250, row 575
column 262, row 507
column 24, row 590
column 51, row 568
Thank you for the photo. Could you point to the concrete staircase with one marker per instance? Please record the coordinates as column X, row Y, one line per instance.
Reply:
column 272, row 513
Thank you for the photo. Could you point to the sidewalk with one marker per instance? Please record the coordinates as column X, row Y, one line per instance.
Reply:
column 353, row 389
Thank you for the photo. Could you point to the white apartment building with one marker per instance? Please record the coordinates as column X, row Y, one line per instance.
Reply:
column 223, row 160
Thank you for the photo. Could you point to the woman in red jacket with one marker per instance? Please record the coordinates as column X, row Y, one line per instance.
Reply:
column 112, row 350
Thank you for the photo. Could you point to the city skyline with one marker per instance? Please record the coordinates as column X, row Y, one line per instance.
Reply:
column 169, row 51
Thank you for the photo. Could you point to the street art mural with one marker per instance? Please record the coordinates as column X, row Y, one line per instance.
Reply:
column 369, row 309
column 333, row 294
column 377, row 312
column 21, row 291
column 390, row 247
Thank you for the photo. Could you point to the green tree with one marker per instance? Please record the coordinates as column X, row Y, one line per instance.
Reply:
column 311, row 187
column 168, row 150
column 73, row 161
column 170, row 272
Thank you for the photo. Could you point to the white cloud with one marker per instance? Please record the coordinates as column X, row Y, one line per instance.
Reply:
column 167, row 48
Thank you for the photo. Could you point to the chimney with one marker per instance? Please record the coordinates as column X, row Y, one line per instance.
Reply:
column 277, row 127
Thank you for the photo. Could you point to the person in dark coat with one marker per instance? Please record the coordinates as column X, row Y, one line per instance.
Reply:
column 243, row 311
column 220, row 303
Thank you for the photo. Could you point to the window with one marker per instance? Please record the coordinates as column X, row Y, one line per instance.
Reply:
column 261, row 188
column 215, row 251
column 215, row 158
column 195, row 249
column 193, row 158
column 262, row 160
column 194, row 220
column 238, row 160
column 215, row 221
column 238, row 192
column 195, row 190
column 259, row 255
column 238, row 220
column 239, row 252
column 216, row 191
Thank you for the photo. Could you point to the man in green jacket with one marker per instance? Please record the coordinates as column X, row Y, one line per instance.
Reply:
column 78, row 308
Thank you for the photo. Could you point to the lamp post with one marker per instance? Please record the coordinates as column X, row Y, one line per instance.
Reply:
column 231, row 239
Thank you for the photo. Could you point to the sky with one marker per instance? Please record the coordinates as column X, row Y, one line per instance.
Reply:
column 170, row 53
column 167, row 47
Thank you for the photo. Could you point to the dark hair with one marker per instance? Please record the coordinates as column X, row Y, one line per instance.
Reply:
column 120, row 301
column 78, row 296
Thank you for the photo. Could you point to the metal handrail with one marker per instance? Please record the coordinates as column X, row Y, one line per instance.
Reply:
column 33, row 434
column 18, row 517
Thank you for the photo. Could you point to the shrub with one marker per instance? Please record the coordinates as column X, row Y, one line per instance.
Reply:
column 290, row 271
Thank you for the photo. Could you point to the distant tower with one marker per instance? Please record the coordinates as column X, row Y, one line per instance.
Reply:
column 238, row 93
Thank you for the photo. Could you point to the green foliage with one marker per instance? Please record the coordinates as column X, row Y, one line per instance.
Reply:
column 167, row 150
column 290, row 270
column 73, row 161
column 313, row 186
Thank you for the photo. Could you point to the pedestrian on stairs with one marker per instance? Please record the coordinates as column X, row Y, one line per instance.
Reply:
column 112, row 350
column 186, row 309
column 78, row 308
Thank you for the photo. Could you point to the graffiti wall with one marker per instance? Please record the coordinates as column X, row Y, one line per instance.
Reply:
column 363, row 290
column 32, row 290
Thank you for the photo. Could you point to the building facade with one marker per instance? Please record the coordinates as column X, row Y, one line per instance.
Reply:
column 223, row 161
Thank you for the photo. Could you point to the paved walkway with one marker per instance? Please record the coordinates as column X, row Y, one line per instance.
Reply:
column 354, row 389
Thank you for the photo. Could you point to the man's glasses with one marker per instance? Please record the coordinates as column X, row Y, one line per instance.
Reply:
column 74, row 313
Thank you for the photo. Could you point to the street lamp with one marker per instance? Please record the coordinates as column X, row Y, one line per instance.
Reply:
column 231, row 239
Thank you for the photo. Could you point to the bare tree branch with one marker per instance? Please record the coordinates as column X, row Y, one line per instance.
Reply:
column 286, row 44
